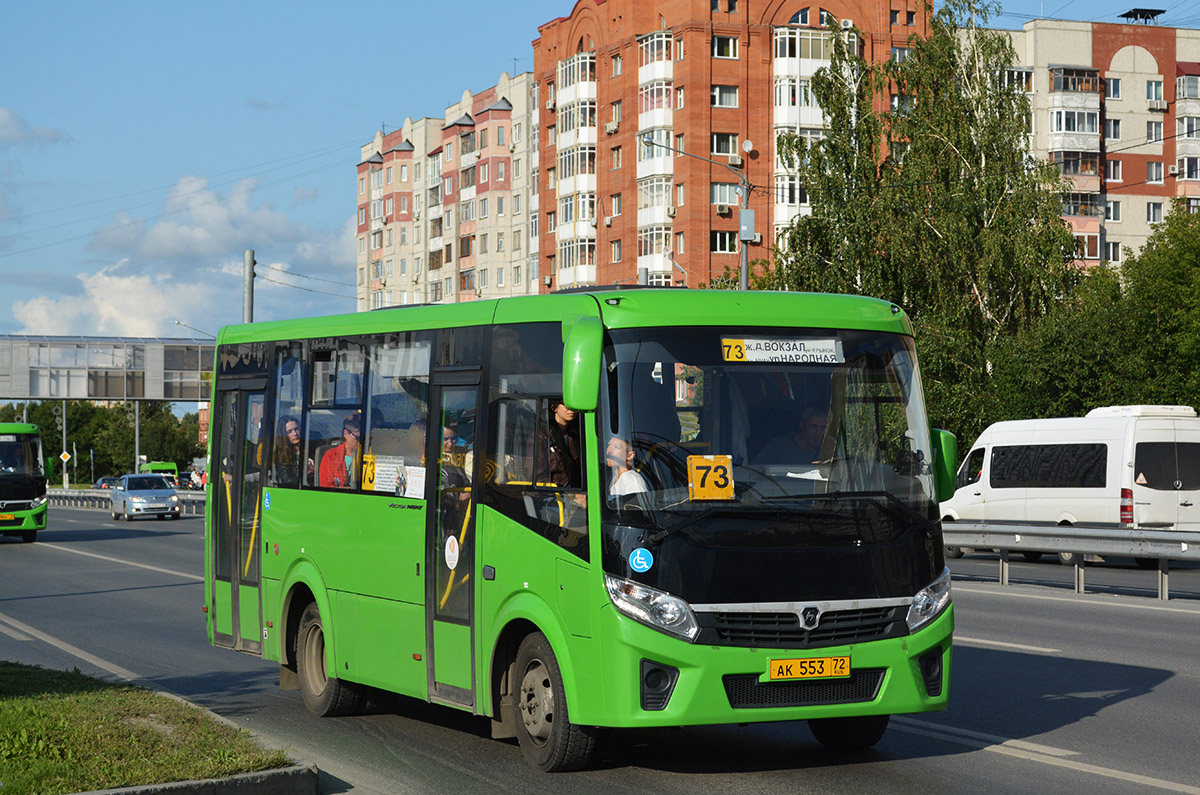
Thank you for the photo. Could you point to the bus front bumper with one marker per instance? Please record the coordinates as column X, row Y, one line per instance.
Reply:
column 653, row 679
column 18, row 521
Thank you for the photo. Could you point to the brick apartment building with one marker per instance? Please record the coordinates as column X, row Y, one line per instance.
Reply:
column 547, row 181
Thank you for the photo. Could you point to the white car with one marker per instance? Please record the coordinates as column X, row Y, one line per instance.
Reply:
column 145, row 495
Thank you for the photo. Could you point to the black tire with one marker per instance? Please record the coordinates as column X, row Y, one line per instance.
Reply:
column 954, row 552
column 849, row 734
column 1032, row 557
column 548, row 739
column 162, row 516
column 1070, row 558
column 174, row 516
column 28, row 536
column 324, row 696
column 114, row 515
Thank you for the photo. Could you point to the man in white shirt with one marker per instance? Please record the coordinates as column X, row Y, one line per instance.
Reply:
column 619, row 456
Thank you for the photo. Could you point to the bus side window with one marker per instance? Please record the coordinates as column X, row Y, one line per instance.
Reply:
column 397, row 410
column 287, row 374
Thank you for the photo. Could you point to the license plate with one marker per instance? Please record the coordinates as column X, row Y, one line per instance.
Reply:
column 156, row 507
column 7, row 517
column 810, row 668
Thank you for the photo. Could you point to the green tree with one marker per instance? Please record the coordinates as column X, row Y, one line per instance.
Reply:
column 924, row 193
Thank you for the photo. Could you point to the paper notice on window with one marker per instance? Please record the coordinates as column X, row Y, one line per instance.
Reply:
column 782, row 349
column 390, row 475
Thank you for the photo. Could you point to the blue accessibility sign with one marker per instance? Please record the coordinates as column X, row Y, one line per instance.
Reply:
column 267, row 501
column 641, row 559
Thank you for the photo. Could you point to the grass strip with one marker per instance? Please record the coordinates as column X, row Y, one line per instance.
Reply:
column 64, row 732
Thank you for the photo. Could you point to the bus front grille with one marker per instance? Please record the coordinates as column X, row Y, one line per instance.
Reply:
column 746, row 692
column 784, row 630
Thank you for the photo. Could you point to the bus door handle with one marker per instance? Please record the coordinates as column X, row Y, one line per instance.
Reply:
column 489, row 572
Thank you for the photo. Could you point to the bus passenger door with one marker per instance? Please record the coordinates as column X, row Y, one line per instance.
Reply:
column 236, row 502
column 450, row 536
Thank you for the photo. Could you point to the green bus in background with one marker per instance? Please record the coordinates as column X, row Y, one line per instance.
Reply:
column 620, row 507
column 22, row 481
column 168, row 469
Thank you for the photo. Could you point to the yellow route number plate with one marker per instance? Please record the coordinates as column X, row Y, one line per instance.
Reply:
column 7, row 517
column 710, row 477
column 810, row 668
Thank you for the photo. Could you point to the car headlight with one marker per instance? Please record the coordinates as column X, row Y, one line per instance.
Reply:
column 929, row 602
column 137, row 499
column 174, row 498
column 652, row 607
column 39, row 502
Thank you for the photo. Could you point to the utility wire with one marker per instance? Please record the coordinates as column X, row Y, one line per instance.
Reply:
column 305, row 276
column 305, row 289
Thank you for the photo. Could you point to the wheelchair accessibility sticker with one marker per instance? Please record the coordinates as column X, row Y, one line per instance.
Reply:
column 640, row 560
column 267, row 501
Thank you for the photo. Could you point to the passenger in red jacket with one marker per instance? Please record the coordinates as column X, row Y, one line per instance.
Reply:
column 340, row 465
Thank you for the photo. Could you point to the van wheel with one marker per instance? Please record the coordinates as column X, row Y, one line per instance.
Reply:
column 954, row 552
column 1032, row 557
column 1070, row 558
column 545, row 733
column 849, row 734
column 324, row 696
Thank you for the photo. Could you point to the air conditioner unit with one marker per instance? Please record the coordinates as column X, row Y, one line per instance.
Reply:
column 1173, row 170
column 670, row 212
column 611, row 127
column 722, row 209
column 1156, row 104
column 735, row 160
column 847, row 24
column 608, row 220
column 757, row 238
column 547, row 280
column 549, row 104
column 512, row 147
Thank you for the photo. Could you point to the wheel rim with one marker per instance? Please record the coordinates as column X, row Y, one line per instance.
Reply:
column 537, row 702
column 315, row 676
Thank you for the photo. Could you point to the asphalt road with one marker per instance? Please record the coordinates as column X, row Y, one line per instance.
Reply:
column 1050, row 691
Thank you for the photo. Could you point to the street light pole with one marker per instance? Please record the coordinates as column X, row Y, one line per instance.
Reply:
column 745, row 217
column 193, row 328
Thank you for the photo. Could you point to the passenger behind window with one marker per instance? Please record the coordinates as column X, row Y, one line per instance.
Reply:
column 801, row 445
column 341, row 464
column 557, row 459
column 286, row 461
column 624, row 479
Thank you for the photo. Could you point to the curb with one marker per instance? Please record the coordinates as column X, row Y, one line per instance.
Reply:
column 299, row 779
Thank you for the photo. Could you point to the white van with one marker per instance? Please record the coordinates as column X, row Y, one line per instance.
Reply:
column 1125, row 466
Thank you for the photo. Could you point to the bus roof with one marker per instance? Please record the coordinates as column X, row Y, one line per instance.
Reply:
column 619, row 308
column 19, row 427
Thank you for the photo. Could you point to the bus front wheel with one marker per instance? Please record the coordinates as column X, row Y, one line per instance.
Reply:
column 849, row 734
column 545, row 733
column 323, row 695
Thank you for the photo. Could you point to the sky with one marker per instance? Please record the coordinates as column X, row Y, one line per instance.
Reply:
column 144, row 146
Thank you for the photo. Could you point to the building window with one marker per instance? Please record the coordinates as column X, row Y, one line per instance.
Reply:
column 616, row 158
column 654, row 47
column 499, row 206
column 679, row 242
column 655, row 95
column 403, row 173
column 362, row 186
column 1154, row 132
column 1188, row 167
column 1112, row 129
column 678, row 194
column 895, row 17
column 724, row 242
column 1074, row 121
column 678, row 98
column 362, row 215
column 727, row 97
column 499, row 277
column 617, row 65
column 1087, row 246
column 1154, row 89
column 724, row 193
column 900, row 54
column 725, row 47
column 483, row 208
column 499, row 241
column 1112, row 87
column 1154, row 172
column 910, row 18
column 1187, row 127
column 1154, row 212
column 616, row 112
column 614, row 251
column 1077, row 80
column 679, row 48
column 516, row 204
column 1113, row 170
column 616, row 204
column 1112, row 251
column 724, row 144
column 1112, row 211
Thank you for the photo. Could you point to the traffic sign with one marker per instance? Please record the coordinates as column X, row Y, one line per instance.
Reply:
column 65, row 456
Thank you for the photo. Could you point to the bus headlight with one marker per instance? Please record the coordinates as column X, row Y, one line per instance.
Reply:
column 929, row 602
column 39, row 502
column 652, row 607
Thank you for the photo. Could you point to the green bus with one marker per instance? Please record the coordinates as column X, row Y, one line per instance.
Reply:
column 168, row 469
column 587, row 509
column 22, row 481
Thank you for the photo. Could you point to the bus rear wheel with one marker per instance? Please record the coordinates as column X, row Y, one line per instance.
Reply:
column 324, row 696
column 849, row 734
column 545, row 733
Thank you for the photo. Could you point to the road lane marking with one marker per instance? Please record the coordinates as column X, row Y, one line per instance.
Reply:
column 74, row 651
column 124, row 562
column 982, row 642
column 1080, row 600
column 1032, row 752
column 12, row 633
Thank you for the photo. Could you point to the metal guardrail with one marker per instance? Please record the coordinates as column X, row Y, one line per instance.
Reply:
column 192, row 501
column 1161, row 545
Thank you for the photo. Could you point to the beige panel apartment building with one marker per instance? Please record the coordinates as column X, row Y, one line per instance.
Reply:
column 445, row 204
column 1117, row 107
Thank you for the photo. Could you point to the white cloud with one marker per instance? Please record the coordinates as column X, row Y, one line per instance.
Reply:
column 15, row 131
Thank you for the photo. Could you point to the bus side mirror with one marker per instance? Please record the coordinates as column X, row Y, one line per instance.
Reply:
column 945, row 459
column 581, row 364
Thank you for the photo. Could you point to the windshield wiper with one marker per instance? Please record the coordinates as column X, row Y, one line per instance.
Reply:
column 892, row 505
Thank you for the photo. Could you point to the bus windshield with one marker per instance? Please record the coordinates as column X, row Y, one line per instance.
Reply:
column 21, row 454
column 735, row 455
